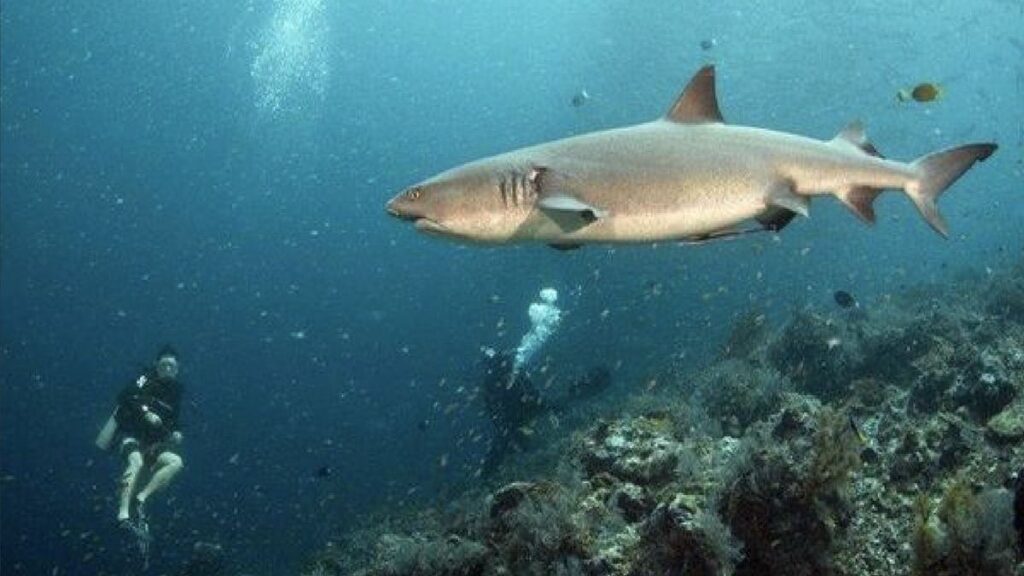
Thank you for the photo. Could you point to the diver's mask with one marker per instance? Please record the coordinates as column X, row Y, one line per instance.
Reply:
column 167, row 368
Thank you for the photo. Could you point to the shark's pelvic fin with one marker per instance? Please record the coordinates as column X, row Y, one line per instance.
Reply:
column 698, row 103
column 782, row 196
column 775, row 219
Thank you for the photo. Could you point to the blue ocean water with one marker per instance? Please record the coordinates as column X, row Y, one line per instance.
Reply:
column 213, row 175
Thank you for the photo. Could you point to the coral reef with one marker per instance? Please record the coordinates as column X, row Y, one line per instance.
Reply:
column 1008, row 425
column 536, row 530
column 409, row 555
column 749, row 333
column 967, row 534
column 738, row 393
column 641, row 450
column 786, row 498
column 1004, row 299
column 689, row 540
column 817, row 353
column 875, row 441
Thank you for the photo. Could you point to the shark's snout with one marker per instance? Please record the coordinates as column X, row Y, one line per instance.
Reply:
column 396, row 208
column 404, row 208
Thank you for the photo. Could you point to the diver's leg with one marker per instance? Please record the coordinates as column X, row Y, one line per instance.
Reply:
column 167, row 466
column 128, row 481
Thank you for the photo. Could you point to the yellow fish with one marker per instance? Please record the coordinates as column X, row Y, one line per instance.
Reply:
column 924, row 92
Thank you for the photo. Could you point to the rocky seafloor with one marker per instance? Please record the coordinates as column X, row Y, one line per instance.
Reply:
column 876, row 440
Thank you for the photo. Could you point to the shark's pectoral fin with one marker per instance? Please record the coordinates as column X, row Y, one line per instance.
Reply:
column 570, row 213
column 698, row 103
column 859, row 200
column 783, row 196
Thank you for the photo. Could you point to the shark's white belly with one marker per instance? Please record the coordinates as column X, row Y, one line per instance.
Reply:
column 687, row 221
column 652, row 197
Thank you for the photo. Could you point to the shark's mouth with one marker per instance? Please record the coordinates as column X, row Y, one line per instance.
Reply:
column 429, row 226
column 421, row 223
column 401, row 215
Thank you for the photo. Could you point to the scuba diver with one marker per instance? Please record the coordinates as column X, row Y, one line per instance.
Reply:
column 512, row 403
column 144, row 424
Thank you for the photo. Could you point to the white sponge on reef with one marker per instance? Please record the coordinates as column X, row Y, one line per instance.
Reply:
column 544, row 318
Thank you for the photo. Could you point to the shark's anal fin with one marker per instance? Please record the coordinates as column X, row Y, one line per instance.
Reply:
column 859, row 200
column 781, row 195
column 570, row 213
column 698, row 103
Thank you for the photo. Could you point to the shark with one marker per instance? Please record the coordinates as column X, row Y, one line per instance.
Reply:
column 687, row 177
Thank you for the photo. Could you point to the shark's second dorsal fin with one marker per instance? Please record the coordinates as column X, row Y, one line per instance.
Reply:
column 854, row 135
column 698, row 103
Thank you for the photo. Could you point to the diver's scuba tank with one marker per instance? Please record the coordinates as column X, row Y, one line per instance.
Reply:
column 106, row 436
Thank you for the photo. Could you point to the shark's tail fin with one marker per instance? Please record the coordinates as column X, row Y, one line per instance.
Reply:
column 938, row 171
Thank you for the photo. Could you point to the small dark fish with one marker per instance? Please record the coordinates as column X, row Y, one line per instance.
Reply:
column 844, row 299
column 323, row 472
column 708, row 43
column 924, row 92
column 422, row 425
column 580, row 98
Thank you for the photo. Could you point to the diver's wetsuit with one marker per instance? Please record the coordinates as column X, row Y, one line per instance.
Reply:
column 511, row 401
column 148, row 393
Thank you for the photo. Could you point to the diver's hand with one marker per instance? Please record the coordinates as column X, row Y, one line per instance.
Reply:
column 153, row 419
column 176, row 437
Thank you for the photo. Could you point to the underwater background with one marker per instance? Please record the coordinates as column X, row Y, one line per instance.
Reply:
column 213, row 175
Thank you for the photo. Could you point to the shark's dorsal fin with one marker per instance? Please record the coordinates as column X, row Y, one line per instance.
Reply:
column 698, row 103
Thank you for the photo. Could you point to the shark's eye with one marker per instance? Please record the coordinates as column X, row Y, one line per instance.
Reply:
column 413, row 194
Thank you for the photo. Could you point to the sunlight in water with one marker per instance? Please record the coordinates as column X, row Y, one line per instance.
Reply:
column 290, row 67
